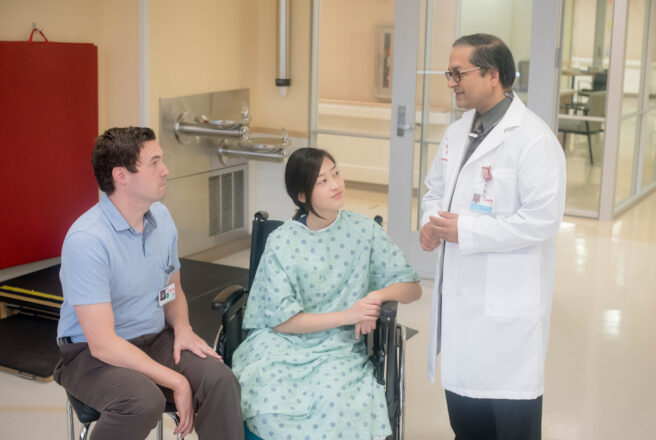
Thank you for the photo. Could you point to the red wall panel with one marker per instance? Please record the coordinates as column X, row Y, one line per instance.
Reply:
column 48, row 122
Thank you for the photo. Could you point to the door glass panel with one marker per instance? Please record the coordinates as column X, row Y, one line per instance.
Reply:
column 631, row 102
column 582, row 104
column 625, row 158
column 649, row 155
column 508, row 19
column 434, row 100
column 354, row 95
column 632, row 61
column 652, row 58
column 649, row 125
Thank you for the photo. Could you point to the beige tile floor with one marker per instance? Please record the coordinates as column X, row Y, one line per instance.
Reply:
column 601, row 368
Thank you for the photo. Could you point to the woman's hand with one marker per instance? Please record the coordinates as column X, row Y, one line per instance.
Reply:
column 365, row 309
column 364, row 327
column 376, row 297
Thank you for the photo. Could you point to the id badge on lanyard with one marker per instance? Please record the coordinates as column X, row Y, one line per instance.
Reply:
column 482, row 201
column 166, row 294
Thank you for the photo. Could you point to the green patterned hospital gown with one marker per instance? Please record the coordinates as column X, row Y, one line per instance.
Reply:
column 318, row 385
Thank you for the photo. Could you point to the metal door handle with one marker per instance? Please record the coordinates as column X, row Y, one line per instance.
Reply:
column 401, row 126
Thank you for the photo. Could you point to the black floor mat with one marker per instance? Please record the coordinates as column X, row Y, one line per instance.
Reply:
column 28, row 345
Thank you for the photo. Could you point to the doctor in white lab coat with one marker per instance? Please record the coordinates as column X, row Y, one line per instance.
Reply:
column 496, row 192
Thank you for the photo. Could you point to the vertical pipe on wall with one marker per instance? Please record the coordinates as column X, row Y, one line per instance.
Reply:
column 282, row 80
column 144, row 63
column 314, row 72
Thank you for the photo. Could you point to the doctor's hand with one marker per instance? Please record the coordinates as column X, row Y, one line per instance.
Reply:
column 446, row 226
column 186, row 339
column 429, row 237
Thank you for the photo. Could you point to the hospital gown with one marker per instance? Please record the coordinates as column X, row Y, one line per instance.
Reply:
column 318, row 385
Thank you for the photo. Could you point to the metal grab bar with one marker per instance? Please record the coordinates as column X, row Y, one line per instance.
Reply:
column 209, row 129
column 274, row 154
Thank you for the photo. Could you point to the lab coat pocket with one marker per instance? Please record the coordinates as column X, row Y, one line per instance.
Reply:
column 513, row 285
column 504, row 190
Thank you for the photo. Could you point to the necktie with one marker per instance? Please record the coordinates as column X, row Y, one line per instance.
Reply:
column 474, row 139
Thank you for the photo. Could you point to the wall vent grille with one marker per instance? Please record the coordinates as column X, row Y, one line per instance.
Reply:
column 226, row 202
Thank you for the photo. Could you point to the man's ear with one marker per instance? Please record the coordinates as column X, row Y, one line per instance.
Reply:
column 494, row 76
column 301, row 197
column 119, row 174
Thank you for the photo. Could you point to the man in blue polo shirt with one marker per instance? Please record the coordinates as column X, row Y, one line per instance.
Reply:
column 124, row 334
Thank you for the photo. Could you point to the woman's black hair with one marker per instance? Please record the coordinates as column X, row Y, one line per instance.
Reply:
column 301, row 174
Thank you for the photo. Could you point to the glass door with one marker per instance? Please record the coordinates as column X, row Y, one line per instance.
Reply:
column 351, row 95
column 423, row 106
column 585, row 56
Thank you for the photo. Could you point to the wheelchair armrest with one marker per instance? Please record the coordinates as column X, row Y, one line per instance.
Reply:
column 229, row 296
column 388, row 310
column 381, row 340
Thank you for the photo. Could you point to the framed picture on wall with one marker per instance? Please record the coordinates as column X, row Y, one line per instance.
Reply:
column 384, row 57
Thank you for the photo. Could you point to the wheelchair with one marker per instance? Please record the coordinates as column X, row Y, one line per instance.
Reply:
column 385, row 346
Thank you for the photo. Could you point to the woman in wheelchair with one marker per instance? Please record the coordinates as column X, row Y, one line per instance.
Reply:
column 321, row 281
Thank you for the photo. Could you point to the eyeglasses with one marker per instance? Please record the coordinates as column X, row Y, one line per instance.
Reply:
column 457, row 74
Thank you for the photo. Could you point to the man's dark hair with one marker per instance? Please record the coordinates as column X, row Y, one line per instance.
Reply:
column 490, row 53
column 301, row 175
column 117, row 147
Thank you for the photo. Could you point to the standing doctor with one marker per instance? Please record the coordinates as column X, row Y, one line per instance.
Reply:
column 496, row 193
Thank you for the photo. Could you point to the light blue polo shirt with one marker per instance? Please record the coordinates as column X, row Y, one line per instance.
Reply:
column 105, row 260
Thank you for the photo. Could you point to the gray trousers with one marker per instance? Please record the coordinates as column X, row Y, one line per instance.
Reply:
column 130, row 403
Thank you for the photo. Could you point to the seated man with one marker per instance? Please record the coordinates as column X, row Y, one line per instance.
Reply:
column 124, row 334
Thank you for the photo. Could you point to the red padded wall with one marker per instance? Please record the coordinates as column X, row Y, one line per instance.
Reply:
column 48, row 122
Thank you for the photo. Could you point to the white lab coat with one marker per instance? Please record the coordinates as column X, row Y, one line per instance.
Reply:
column 497, row 282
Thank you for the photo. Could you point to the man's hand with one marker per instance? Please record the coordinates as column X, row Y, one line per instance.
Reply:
column 186, row 339
column 447, row 226
column 184, row 406
column 429, row 236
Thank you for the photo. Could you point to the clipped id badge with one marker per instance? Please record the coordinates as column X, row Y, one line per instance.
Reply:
column 482, row 204
column 481, row 201
column 166, row 295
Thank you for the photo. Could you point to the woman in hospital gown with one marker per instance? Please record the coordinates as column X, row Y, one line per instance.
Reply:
column 303, row 369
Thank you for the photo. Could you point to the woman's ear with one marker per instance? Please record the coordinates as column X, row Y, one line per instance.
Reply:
column 301, row 197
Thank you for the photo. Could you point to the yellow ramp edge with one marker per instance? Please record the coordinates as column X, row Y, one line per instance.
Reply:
column 32, row 292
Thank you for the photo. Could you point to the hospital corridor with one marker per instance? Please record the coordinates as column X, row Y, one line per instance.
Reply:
column 502, row 116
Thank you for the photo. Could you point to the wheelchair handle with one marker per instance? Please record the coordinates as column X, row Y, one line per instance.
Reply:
column 225, row 299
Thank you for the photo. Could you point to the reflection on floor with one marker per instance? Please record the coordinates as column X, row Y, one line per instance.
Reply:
column 600, row 381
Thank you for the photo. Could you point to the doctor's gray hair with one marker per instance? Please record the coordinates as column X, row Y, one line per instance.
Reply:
column 490, row 53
